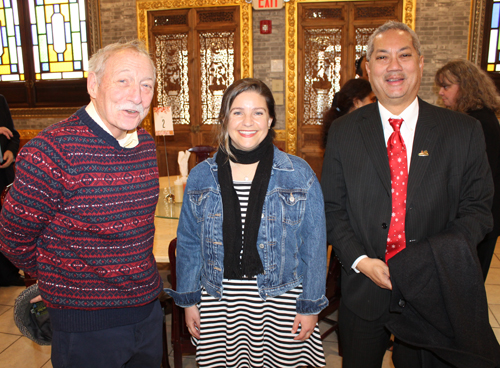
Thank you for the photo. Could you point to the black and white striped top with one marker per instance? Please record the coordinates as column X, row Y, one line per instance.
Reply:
column 242, row 189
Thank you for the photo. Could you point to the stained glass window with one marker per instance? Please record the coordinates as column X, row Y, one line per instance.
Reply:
column 11, row 59
column 493, row 61
column 59, row 38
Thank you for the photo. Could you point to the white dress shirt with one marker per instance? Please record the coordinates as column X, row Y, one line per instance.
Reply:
column 410, row 117
column 131, row 139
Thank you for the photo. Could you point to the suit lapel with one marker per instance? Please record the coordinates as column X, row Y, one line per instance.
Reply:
column 424, row 140
column 373, row 137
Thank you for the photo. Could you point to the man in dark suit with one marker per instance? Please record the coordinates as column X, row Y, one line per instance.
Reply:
column 9, row 145
column 393, row 257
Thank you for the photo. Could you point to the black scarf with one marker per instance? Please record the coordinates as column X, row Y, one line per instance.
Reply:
column 250, row 263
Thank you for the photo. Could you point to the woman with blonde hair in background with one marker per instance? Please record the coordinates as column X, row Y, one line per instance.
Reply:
column 463, row 87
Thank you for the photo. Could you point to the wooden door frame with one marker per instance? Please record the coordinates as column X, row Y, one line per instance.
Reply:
column 246, row 38
column 291, row 62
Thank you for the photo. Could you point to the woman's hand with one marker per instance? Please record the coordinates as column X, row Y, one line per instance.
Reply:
column 307, row 325
column 193, row 320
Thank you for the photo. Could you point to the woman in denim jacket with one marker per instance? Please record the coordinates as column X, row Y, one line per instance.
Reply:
column 251, row 245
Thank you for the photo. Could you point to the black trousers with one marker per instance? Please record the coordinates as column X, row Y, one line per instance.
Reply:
column 364, row 344
column 8, row 272
column 485, row 251
column 132, row 346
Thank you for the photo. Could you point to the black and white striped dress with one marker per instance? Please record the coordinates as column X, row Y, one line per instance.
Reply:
column 241, row 330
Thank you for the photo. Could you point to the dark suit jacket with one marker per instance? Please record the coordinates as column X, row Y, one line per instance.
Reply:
column 491, row 130
column 449, row 187
column 439, row 302
column 7, row 174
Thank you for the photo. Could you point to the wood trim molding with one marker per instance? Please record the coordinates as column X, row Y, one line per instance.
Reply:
column 94, row 24
column 476, row 26
column 28, row 134
column 42, row 112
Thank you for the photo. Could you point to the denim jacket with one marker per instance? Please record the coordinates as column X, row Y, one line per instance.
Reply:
column 291, row 241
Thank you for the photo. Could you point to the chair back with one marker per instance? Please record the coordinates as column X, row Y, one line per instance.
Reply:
column 202, row 152
column 332, row 293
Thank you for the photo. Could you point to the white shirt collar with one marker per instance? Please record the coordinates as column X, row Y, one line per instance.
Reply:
column 409, row 115
column 131, row 138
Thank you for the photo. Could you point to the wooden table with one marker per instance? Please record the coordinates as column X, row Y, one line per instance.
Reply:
column 166, row 221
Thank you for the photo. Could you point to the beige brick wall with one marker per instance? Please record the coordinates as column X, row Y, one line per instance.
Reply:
column 443, row 29
column 118, row 21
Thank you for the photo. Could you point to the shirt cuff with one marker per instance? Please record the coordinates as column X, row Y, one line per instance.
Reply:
column 355, row 264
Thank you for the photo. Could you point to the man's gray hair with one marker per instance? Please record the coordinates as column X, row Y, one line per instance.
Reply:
column 97, row 62
column 387, row 27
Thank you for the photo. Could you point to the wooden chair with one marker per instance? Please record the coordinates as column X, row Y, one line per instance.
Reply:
column 333, row 295
column 181, row 338
column 202, row 152
column 166, row 306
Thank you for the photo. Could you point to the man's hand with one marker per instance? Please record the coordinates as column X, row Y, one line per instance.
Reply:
column 8, row 158
column 377, row 271
column 307, row 324
column 192, row 315
column 36, row 299
column 6, row 132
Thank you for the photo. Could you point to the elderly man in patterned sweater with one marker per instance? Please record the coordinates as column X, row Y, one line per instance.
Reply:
column 80, row 217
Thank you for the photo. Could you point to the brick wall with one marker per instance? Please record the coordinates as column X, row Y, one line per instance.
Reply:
column 443, row 29
column 118, row 21
column 267, row 47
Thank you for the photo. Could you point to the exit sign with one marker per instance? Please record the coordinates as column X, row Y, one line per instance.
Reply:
column 267, row 4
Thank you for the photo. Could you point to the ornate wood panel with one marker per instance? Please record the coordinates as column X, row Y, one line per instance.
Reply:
column 323, row 41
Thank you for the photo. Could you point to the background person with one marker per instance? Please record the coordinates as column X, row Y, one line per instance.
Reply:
column 9, row 144
column 360, row 65
column 80, row 218
column 251, row 244
column 354, row 94
column 463, row 87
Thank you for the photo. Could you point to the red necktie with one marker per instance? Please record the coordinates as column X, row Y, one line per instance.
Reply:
column 396, row 150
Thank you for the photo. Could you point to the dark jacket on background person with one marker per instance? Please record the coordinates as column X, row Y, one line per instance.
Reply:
column 7, row 174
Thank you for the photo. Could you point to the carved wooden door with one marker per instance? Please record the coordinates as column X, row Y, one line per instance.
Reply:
column 331, row 37
column 197, row 57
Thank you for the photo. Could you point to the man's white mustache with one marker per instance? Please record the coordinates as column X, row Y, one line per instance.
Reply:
column 137, row 108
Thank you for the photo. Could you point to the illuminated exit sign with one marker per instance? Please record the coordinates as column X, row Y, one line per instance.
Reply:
column 267, row 4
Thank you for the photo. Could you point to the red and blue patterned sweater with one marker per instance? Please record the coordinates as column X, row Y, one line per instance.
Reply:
column 80, row 217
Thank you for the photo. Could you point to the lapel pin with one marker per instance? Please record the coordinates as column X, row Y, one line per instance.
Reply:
column 423, row 153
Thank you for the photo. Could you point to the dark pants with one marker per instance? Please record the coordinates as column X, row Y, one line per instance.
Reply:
column 133, row 346
column 8, row 272
column 485, row 251
column 408, row 356
column 364, row 344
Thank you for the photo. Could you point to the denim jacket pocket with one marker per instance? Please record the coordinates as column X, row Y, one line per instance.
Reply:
column 294, row 206
column 198, row 202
